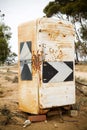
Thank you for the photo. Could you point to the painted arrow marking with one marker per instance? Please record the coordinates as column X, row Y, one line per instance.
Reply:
column 25, row 61
column 57, row 71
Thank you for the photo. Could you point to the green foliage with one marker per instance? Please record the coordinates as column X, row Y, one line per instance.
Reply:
column 84, row 33
column 11, row 57
column 75, row 8
column 4, row 49
column 69, row 7
column 51, row 9
column 5, row 36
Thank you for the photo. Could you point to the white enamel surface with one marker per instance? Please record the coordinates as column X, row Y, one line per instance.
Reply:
column 57, row 95
column 25, row 53
column 56, row 40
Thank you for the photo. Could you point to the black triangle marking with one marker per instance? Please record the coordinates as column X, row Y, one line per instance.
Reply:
column 48, row 72
column 26, row 74
column 21, row 46
column 29, row 45
column 70, row 77
column 70, row 64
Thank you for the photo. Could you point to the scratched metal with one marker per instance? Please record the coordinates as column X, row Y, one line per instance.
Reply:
column 52, row 41
column 56, row 40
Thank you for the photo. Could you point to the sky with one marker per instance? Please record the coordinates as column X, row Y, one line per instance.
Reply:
column 20, row 11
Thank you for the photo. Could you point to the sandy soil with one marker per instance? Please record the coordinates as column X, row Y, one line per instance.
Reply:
column 12, row 118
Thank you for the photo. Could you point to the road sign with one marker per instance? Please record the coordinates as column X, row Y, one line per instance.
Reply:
column 57, row 71
column 25, row 61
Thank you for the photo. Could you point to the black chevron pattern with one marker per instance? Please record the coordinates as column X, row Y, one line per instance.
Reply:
column 25, row 60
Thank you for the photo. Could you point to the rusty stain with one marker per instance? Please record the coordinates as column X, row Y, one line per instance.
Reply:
column 63, row 45
column 50, row 41
column 60, row 22
column 39, row 45
column 40, row 30
column 54, row 29
column 57, row 52
column 42, row 111
column 52, row 26
column 36, row 60
column 44, row 45
column 60, row 55
column 51, row 50
column 52, row 33
column 64, row 35
column 40, row 105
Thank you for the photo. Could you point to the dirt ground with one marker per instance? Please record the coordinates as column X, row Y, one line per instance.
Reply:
column 12, row 118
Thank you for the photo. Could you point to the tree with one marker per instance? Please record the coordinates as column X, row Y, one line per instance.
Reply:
column 11, row 58
column 76, row 12
column 75, row 8
column 5, row 36
column 4, row 48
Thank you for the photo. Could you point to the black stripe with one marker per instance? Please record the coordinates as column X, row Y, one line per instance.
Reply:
column 70, row 77
column 21, row 46
column 69, row 63
column 48, row 72
column 26, row 74
column 29, row 45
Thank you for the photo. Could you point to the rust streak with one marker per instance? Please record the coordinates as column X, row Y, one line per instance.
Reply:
column 36, row 60
column 60, row 55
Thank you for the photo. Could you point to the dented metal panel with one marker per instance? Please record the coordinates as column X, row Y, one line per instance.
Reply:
column 56, row 41
column 57, row 95
column 46, row 52
column 55, row 38
column 28, row 78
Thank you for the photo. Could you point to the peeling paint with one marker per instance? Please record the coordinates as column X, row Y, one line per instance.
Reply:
column 36, row 61
column 52, row 42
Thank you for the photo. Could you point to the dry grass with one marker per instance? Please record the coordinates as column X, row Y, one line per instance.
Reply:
column 82, row 80
column 11, row 115
column 81, row 68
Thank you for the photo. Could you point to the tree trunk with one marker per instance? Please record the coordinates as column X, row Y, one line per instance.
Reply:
column 77, row 59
